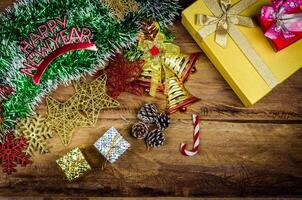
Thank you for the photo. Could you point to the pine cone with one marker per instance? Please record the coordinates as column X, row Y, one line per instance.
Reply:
column 163, row 121
column 139, row 130
column 155, row 138
column 148, row 114
column 150, row 29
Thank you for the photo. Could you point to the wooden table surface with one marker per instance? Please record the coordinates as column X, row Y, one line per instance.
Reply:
column 254, row 151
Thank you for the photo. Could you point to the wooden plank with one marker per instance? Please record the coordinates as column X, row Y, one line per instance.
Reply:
column 5, row 3
column 244, row 151
column 236, row 159
column 135, row 198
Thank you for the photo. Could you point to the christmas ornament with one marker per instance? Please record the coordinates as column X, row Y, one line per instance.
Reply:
column 178, row 98
column 112, row 145
column 64, row 118
column 194, row 150
column 38, row 50
column 36, row 132
column 73, row 164
column 149, row 30
column 81, row 110
column 92, row 98
column 11, row 153
column 181, row 65
column 119, row 8
column 139, row 130
column 154, row 50
column 163, row 121
column 121, row 73
column 49, row 42
column 148, row 114
column 159, row 54
column 155, row 138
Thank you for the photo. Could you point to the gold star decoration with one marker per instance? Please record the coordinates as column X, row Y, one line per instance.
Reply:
column 81, row 110
column 64, row 118
column 93, row 98
column 119, row 8
column 36, row 132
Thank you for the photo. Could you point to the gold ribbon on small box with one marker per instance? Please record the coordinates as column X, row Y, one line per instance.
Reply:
column 226, row 16
column 113, row 144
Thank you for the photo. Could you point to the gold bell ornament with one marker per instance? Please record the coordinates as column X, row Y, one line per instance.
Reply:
column 178, row 97
column 151, row 76
column 182, row 64
column 157, row 53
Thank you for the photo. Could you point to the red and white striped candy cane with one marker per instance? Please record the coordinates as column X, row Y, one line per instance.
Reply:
column 194, row 150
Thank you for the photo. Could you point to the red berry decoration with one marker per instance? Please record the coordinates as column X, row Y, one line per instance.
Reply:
column 11, row 153
column 154, row 51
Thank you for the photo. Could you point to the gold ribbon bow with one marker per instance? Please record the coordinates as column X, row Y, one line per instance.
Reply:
column 155, row 62
column 114, row 142
column 223, row 22
column 159, row 41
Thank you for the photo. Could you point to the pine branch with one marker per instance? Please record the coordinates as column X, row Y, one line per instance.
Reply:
column 109, row 35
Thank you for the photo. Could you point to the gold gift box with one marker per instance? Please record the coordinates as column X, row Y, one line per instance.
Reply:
column 234, row 65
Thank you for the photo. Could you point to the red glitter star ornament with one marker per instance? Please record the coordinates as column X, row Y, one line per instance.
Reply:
column 121, row 75
column 11, row 153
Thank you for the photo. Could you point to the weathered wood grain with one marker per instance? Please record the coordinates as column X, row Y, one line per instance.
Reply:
column 254, row 151
column 236, row 159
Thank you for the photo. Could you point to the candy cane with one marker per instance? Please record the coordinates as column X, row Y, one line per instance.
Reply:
column 183, row 146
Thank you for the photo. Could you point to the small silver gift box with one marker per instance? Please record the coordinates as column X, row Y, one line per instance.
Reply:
column 112, row 145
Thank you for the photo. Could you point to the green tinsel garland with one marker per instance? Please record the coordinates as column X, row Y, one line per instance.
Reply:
column 109, row 36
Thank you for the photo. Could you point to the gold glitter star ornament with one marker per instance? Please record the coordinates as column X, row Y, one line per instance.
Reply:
column 92, row 98
column 81, row 110
column 120, row 8
column 64, row 118
column 74, row 164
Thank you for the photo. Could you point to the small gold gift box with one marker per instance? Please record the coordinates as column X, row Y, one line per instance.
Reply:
column 74, row 164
